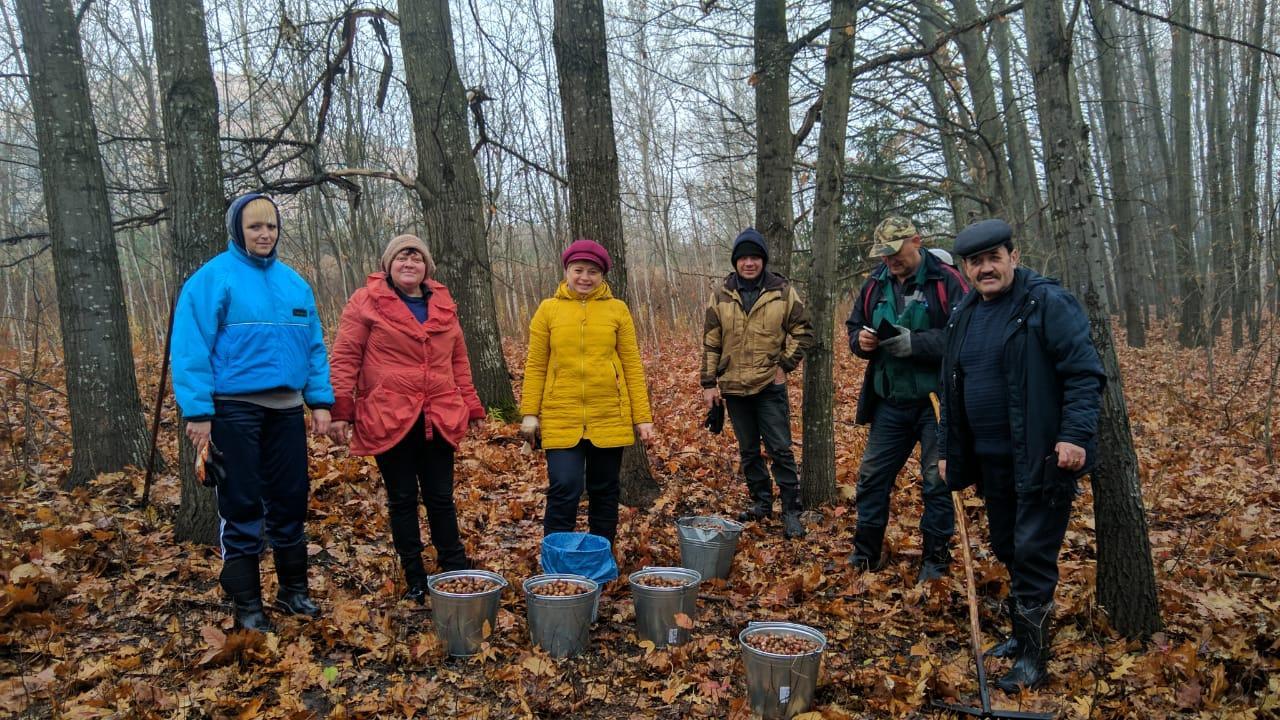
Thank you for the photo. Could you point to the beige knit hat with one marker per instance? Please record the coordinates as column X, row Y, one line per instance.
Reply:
column 407, row 242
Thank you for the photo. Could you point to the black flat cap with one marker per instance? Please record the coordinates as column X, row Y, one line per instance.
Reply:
column 982, row 236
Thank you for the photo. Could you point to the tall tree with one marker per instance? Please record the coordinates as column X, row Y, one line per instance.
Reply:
column 963, row 209
column 591, row 153
column 774, row 151
column 1220, row 181
column 818, row 473
column 1246, row 287
column 189, row 107
column 448, row 186
column 107, row 430
column 1121, row 192
column 987, row 146
column 1192, row 331
column 1126, row 577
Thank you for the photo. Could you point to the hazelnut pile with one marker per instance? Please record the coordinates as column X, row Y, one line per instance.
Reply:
column 659, row 581
column 560, row 588
column 465, row 585
column 706, row 525
column 780, row 644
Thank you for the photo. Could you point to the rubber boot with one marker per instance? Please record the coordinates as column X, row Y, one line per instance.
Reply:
column 868, row 549
column 1030, row 667
column 792, row 528
column 935, row 561
column 761, row 501
column 415, row 577
column 239, row 579
column 1008, row 647
column 291, row 571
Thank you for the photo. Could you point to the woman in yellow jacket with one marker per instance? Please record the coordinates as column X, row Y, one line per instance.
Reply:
column 584, row 391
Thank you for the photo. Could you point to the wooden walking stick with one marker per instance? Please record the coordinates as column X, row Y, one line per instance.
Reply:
column 975, row 633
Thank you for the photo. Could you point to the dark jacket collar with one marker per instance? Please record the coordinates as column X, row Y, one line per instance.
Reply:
column 771, row 281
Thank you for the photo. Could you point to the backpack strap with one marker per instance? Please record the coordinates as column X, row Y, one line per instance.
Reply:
column 942, row 287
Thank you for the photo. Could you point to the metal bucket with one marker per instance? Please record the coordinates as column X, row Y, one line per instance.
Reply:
column 708, row 550
column 464, row 621
column 657, row 607
column 561, row 625
column 781, row 686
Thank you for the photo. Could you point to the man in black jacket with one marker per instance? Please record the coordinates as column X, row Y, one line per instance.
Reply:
column 1022, row 388
column 909, row 296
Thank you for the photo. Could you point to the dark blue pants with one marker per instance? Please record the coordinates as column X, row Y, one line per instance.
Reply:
column 572, row 470
column 764, row 416
column 1026, row 533
column 418, row 465
column 266, row 488
column 895, row 431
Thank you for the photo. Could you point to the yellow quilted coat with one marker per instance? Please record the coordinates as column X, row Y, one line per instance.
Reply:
column 583, row 377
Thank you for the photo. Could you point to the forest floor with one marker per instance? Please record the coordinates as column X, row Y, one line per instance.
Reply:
column 103, row 615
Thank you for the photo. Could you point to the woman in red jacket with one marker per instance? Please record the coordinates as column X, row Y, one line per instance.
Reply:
column 403, row 394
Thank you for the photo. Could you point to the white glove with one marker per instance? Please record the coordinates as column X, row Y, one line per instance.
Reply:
column 529, row 429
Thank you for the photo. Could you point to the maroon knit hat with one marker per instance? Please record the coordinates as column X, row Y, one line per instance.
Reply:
column 589, row 250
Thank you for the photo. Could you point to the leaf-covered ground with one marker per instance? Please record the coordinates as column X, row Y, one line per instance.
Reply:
column 103, row 615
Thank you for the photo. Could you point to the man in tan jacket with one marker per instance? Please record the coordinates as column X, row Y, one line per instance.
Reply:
column 757, row 331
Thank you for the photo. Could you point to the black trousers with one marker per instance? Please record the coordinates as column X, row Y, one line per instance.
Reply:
column 421, row 470
column 764, row 416
column 569, row 472
column 1026, row 532
column 267, row 485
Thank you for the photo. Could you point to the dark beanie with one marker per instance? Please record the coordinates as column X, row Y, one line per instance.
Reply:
column 749, row 242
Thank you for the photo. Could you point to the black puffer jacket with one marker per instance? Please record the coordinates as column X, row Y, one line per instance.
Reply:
column 1054, row 384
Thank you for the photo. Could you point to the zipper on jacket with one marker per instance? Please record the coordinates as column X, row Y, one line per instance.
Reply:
column 582, row 360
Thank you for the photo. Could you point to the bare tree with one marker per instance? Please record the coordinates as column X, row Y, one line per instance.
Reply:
column 1126, row 577
column 1192, row 331
column 102, row 392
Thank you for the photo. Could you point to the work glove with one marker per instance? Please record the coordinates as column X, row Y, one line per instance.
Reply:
column 899, row 345
column 529, row 431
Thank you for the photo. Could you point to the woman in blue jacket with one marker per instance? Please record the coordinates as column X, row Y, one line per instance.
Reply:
column 247, row 353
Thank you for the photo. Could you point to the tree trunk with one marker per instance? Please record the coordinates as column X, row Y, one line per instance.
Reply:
column 591, row 153
column 1022, row 161
column 449, row 188
column 189, row 105
column 1250, row 244
column 1219, row 179
column 992, row 168
column 963, row 209
column 1192, row 331
column 107, row 429
column 774, row 154
column 818, row 471
column 1121, row 192
column 1126, row 578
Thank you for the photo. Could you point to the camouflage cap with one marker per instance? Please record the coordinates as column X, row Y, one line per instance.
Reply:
column 890, row 234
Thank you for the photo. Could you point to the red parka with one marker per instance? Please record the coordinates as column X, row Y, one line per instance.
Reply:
column 388, row 369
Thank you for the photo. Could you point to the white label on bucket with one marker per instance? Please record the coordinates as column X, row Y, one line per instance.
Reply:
column 673, row 636
column 784, row 693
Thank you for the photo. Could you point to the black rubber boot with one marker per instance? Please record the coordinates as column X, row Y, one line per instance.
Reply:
column 792, row 528
column 415, row 576
column 1030, row 667
column 761, row 502
column 935, row 561
column 868, row 549
column 1008, row 647
column 240, row 581
column 291, row 571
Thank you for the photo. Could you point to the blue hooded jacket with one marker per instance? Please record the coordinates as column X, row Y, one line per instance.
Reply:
column 246, row 324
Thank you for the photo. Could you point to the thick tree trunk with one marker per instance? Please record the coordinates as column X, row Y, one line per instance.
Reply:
column 591, row 153
column 189, row 105
column 107, row 429
column 1121, row 192
column 1192, row 331
column 774, row 154
column 1126, row 577
column 449, row 188
column 818, row 471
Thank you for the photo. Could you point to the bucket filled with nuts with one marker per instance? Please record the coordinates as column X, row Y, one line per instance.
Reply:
column 782, row 660
column 464, row 608
column 666, row 600
column 707, row 544
column 560, row 609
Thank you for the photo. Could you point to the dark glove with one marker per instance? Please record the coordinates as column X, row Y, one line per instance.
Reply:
column 899, row 345
column 715, row 419
column 215, row 467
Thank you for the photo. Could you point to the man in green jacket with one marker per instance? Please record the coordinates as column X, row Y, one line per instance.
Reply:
column 757, row 331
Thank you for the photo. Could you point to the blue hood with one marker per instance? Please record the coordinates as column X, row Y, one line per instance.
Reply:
column 235, row 233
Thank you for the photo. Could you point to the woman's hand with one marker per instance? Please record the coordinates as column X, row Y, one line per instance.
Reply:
column 320, row 420
column 475, row 424
column 529, row 430
column 645, row 431
column 340, row 432
column 199, row 432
